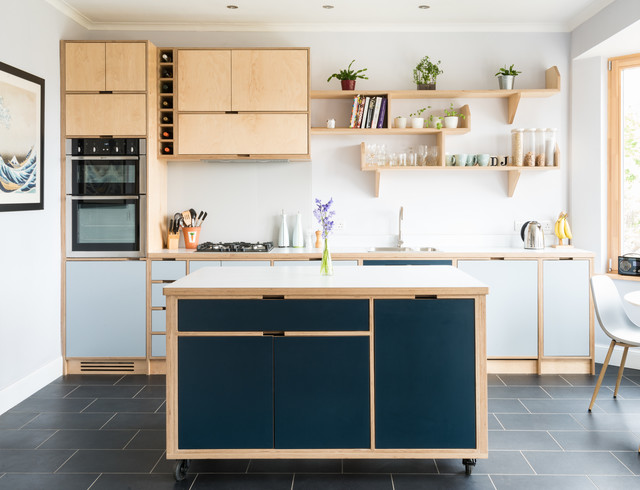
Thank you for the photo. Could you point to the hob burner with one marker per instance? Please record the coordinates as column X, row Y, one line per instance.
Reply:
column 235, row 247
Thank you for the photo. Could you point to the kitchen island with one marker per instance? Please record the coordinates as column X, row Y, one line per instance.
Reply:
column 373, row 362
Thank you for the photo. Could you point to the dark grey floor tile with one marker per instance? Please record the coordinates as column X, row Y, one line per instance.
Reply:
column 633, row 378
column 579, row 392
column 202, row 466
column 149, row 439
column 562, row 405
column 608, row 421
column 506, row 405
column 631, row 459
column 153, row 392
column 88, row 379
column 575, row 463
column 517, row 392
column 616, row 482
column 52, row 420
column 533, row 380
column 23, row 439
column 143, row 379
column 295, row 466
column 441, row 482
column 163, row 408
column 629, row 392
column 588, row 380
column 499, row 463
column 130, row 405
column 142, row 482
column 36, row 481
column 53, row 405
column 137, row 421
column 89, row 439
column 32, row 460
column 242, row 482
column 493, row 423
column 111, row 461
column 15, row 420
column 518, row 440
column 494, row 380
column 536, row 482
column 619, row 406
column 389, row 466
column 547, row 421
column 342, row 482
column 585, row 440
column 101, row 391
column 55, row 391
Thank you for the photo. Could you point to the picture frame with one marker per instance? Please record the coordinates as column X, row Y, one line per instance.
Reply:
column 21, row 140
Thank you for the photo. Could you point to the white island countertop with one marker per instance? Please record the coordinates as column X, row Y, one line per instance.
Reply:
column 347, row 280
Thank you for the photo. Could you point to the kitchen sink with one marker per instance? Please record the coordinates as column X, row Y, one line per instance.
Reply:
column 402, row 249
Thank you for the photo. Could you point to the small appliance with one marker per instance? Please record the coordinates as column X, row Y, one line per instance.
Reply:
column 629, row 265
column 532, row 235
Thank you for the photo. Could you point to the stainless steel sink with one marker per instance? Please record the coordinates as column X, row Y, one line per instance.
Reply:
column 402, row 249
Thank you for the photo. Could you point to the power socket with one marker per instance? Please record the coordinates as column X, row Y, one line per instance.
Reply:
column 547, row 226
column 339, row 225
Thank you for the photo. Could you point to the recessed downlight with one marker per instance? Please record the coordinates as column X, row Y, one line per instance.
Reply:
column 232, row 7
column 424, row 7
column 328, row 7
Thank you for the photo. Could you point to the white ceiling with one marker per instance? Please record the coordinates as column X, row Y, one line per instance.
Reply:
column 347, row 15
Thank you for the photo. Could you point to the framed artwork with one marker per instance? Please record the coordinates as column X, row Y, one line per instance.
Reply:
column 21, row 140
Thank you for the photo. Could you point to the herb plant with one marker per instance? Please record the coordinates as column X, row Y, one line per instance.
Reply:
column 349, row 74
column 419, row 111
column 426, row 72
column 504, row 71
column 451, row 112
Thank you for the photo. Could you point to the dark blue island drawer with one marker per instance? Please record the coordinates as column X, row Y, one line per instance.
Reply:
column 272, row 315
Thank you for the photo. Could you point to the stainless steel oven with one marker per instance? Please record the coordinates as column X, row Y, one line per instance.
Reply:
column 106, row 197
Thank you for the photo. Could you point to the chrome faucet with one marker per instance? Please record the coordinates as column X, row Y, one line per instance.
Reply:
column 400, row 218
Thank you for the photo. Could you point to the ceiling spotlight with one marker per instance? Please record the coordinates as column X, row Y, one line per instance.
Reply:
column 327, row 7
column 424, row 7
column 232, row 7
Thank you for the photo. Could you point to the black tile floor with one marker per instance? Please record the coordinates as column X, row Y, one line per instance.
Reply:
column 107, row 433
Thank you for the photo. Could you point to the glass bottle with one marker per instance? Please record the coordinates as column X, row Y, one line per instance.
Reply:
column 550, row 138
column 517, row 147
column 529, row 148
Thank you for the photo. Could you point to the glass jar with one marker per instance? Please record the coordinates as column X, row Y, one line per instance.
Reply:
column 540, row 154
column 550, row 138
column 516, row 147
column 529, row 148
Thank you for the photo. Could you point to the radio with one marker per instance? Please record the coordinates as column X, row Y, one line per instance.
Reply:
column 629, row 265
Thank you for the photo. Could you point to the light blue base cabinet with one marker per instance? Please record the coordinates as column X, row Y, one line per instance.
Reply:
column 105, row 308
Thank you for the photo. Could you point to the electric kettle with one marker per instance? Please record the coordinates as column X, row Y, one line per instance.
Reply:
column 532, row 235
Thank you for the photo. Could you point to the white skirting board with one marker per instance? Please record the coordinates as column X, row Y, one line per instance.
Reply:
column 27, row 386
column 633, row 357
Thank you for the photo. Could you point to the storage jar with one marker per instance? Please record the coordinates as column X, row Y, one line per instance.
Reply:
column 540, row 154
column 516, row 147
column 529, row 147
column 550, row 139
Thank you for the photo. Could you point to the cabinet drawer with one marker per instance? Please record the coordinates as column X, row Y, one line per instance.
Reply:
column 157, row 298
column 243, row 134
column 194, row 265
column 407, row 262
column 246, row 263
column 312, row 263
column 158, row 346
column 99, row 114
column 158, row 321
column 166, row 270
column 246, row 315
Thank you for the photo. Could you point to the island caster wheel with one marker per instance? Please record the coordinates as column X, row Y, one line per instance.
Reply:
column 468, row 465
column 181, row 468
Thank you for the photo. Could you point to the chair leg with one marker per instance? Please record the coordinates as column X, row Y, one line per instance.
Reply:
column 602, row 371
column 624, row 359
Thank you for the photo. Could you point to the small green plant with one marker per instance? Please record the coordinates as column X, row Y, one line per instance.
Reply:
column 451, row 112
column 419, row 111
column 504, row 71
column 349, row 74
column 426, row 72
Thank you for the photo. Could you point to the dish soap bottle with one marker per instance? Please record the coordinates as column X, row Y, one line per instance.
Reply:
column 283, row 237
column 298, row 237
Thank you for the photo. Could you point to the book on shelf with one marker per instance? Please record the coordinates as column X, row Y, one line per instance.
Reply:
column 354, row 112
column 383, row 110
column 371, row 109
column 363, row 114
column 376, row 112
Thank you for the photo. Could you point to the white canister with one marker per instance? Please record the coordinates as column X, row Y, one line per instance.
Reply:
column 331, row 123
column 298, row 236
column 283, row 237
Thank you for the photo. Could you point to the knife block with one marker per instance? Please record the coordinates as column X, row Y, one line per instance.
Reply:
column 172, row 240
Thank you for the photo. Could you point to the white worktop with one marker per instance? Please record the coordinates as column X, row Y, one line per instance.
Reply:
column 348, row 277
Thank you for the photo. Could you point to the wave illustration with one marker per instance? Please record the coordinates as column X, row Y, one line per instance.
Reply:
column 19, row 176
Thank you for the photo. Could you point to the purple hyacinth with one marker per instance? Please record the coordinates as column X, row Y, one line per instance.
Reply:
column 323, row 214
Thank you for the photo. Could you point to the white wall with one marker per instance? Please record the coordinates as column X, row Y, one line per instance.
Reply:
column 30, row 348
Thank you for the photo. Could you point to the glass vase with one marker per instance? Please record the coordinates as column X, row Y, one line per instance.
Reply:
column 326, row 267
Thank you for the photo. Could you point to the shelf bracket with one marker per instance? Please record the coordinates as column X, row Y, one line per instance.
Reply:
column 514, row 176
column 514, row 100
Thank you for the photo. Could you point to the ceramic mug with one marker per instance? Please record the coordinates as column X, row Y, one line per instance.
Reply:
column 460, row 159
column 449, row 160
column 482, row 159
column 331, row 123
column 471, row 160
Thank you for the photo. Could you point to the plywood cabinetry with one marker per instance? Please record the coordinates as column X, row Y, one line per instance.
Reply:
column 106, row 114
column 126, row 67
column 204, row 80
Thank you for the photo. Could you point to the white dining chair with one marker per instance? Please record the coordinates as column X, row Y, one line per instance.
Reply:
column 615, row 323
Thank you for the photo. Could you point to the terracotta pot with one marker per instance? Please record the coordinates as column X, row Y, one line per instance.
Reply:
column 348, row 84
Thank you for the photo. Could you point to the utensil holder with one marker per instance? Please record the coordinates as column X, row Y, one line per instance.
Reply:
column 172, row 240
column 191, row 236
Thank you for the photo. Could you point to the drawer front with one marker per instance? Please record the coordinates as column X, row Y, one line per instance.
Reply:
column 164, row 270
column 158, row 346
column 157, row 298
column 247, row 315
column 407, row 262
column 158, row 321
column 194, row 265
column 312, row 263
column 246, row 263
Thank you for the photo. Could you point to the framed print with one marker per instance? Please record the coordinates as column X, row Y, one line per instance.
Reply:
column 21, row 140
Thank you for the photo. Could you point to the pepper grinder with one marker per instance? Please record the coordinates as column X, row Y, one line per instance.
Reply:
column 283, row 238
column 298, row 237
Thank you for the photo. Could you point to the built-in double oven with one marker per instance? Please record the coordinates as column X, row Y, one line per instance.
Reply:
column 106, row 189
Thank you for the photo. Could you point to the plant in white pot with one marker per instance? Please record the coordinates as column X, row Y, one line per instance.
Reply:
column 434, row 122
column 451, row 117
column 506, row 76
column 417, row 121
column 425, row 74
column 400, row 122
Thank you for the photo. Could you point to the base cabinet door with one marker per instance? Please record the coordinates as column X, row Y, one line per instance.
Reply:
column 512, row 305
column 225, row 392
column 425, row 373
column 322, row 392
column 105, row 309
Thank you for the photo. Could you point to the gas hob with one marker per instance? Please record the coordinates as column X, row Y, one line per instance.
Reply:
column 235, row 247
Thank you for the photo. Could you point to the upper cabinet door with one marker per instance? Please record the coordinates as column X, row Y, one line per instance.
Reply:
column 85, row 67
column 204, row 80
column 126, row 67
column 270, row 80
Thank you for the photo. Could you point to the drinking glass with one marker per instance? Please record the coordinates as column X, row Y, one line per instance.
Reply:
column 422, row 155
column 393, row 159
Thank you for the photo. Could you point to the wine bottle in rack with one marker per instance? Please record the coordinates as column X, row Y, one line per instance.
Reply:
column 166, row 88
column 166, row 119
column 167, row 73
column 166, row 134
column 166, row 103
column 167, row 148
column 166, row 58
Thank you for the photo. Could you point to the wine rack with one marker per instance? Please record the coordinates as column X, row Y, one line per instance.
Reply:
column 166, row 91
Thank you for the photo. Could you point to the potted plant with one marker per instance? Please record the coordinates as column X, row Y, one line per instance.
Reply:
column 348, row 77
column 400, row 122
column 434, row 122
column 417, row 121
column 506, row 76
column 451, row 117
column 425, row 74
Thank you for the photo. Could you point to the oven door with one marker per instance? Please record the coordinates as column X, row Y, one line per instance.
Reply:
column 106, row 176
column 106, row 226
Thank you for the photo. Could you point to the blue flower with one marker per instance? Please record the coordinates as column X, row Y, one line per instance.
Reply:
column 322, row 213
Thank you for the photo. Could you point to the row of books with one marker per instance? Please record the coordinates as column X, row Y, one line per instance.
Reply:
column 368, row 111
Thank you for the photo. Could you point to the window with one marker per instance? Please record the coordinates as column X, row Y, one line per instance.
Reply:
column 624, row 157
